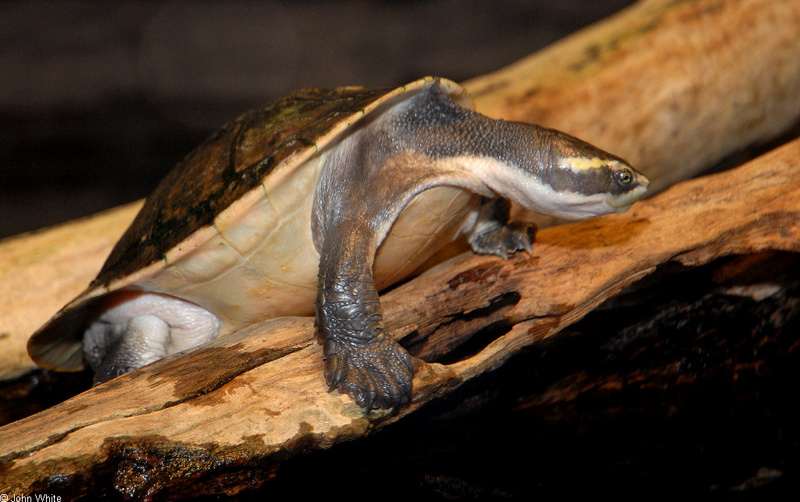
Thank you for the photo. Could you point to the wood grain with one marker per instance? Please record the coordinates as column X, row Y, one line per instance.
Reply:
column 222, row 418
column 258, row 396
column 672, row 86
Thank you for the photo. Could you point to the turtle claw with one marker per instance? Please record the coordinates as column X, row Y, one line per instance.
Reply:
column 376, row 374
column 504, row 240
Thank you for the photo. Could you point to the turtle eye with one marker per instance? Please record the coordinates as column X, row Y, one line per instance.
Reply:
column 625, row 176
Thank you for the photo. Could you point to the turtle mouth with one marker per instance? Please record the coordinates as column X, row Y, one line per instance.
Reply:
column 623, row 202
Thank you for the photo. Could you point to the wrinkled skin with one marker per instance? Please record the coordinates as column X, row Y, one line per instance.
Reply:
column 367, row 182
column 234, row 233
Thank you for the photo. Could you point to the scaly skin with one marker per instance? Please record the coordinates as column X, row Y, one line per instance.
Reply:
column 360, row 358
column 373, row 174
column 374, row 151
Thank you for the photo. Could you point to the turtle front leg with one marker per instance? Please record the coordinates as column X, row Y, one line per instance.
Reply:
column 493, row 233
column 360, row 358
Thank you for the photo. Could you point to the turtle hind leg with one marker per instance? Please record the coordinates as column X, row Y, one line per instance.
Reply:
column 138, row 328
column 361, row 359
column 493, row 233
column 112, row 353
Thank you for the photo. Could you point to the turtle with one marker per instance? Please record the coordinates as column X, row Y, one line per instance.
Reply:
column 311, row 205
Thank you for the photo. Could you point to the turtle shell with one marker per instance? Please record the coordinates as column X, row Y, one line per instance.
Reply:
column 214, row 179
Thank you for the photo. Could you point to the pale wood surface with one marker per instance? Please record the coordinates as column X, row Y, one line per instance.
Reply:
column 672, row 87
column 41, row 271
column 259, row 394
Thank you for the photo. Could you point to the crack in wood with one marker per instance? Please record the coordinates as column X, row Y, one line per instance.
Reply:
column 457, row 338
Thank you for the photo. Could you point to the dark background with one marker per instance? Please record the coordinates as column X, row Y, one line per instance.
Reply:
column 99, row 99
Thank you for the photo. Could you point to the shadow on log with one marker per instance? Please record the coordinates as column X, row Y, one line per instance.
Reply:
column 226, row 417
column 638, row 84
column 243, row 404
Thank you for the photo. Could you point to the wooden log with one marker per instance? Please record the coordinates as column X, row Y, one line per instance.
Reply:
column 265, row 400
column 242, row 404
column 40, row 272
column 672, row 87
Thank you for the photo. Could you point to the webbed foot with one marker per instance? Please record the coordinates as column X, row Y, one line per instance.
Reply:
column 376, row 373
column 360, row 358
column 112, row 354
column 504, row 240
column 493, row 233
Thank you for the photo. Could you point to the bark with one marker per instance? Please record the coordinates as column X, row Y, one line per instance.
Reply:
column 673, row 87
column 244, row 403
column 224, row 417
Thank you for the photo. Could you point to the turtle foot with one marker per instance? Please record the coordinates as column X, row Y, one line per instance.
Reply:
column 376, row 373
column 113, row 354
column 504, row 240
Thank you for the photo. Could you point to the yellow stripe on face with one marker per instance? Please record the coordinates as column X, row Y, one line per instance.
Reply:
column 586, row 163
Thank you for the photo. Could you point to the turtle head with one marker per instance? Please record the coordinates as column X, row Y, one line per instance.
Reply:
column 589, row 180
column 540, row 169
column 553, row 173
